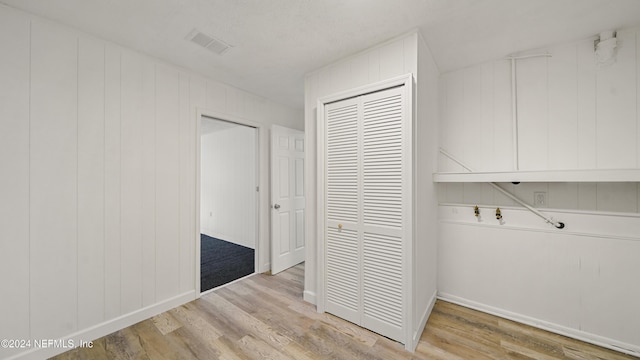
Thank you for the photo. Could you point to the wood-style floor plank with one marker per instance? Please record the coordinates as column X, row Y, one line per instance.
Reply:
column 264, row 317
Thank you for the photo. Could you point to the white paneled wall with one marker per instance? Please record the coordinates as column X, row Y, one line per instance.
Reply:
column 112, row 193
column 131, row 130
column 167, row 177
column 572, row 114
column 617, row 107
column 14, row 180
column 394, row 58
column 53, row 180
column 148, row 191
column 575, row 282
column 228, row 185
column 98, row 187
column 475, row 113
column 91, row 182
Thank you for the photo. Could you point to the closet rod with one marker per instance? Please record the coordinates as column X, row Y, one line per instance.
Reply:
column 548, row 220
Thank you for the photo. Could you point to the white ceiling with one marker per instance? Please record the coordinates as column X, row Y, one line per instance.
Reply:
column 276, row 42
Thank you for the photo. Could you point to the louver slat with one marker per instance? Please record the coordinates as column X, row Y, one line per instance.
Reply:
column 364, row 211
column 341, row 201
column 342, row 163
column 382, row 161
column 382, row 180
column 382, row 270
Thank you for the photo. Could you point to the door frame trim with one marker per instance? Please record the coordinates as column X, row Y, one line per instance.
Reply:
column 262, row 175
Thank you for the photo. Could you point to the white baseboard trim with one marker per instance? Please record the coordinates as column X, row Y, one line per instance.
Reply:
column 545, row 325
column 107, row 327
column 423, row 320
column 265, row 267
column 309, row 296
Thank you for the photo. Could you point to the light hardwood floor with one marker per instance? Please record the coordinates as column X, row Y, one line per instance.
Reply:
column 264, row 317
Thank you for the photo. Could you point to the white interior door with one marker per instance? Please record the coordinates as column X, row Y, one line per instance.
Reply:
column 287, row 198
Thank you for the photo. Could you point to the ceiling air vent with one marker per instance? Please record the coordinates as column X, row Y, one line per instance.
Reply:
column 212, row 44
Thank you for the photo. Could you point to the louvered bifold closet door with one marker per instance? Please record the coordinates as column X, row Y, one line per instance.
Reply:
column 383, row 173
column 342, row 210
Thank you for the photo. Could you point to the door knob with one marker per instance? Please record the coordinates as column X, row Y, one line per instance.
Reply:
column 276, row 206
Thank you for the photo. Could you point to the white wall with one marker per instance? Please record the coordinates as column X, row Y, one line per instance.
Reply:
column 426, row 157
column 394, row 58
column 579, row 281
column 228, row 183
column 572, row 115
column 98, row 159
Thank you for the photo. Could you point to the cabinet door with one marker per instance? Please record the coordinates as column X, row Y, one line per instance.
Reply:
column 385, row 176
column 342, row 210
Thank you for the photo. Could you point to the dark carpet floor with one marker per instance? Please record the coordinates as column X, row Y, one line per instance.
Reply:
column 222, row 262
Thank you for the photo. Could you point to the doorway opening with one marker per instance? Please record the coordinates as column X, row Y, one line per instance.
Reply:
column 228, row 202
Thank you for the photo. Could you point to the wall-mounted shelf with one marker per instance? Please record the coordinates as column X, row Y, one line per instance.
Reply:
column 609, row 175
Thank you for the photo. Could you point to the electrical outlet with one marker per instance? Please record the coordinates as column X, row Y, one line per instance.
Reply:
column 539, row 198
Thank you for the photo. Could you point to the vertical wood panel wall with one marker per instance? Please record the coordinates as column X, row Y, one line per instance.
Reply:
column 98, row 159
column 15, row 33
column 572, row 114
column 53, row 181
column 91, row 182
column 574, row 281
